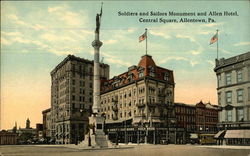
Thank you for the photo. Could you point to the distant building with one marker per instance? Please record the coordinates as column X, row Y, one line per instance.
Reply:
column 39, row 131
column 8, row 138
column 72, row 98
column 138, row 104
column 206, row 118
column 185, row 119
column 27, row 129
column 233, row 81
column 46, row 123
column 195, row 119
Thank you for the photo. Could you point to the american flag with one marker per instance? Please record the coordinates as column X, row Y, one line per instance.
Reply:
column 143, row 37
column 214, row 38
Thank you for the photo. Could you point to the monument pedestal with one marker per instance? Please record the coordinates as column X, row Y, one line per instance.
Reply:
column 96, row 137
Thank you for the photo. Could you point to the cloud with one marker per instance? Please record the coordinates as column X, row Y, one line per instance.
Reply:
column 186, row 37
column 62, row 52
column 115, row 60
column 111, row 41
column 211, row 62
column 198, row 51
column 5, row 41
column 242, row 43
column 64, row 14
column 13, row 17
column 193, row 63
column 212, row 24
column 56, row 38
column 178, row 58
column 224, row 51
column 10, row 33
column 160, row 33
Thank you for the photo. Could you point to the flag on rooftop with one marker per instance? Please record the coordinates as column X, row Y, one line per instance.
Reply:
column 143, row 37
column 214, row 38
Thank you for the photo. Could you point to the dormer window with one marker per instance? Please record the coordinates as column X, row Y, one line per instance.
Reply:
column 166, row 76
column 130, row 77
column 151, row 71
column 140, row 72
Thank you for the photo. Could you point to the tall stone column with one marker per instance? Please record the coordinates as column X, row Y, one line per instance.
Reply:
column 96, row 92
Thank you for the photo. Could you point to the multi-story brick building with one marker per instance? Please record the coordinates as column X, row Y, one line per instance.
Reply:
column 195, row 119
column 206, row 118
column 140, row 103
column 233, row 81
column 71, row 98
column 46, row 123
column 8, row 138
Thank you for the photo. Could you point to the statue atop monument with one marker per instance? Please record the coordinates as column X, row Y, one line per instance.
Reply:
column 98, row 21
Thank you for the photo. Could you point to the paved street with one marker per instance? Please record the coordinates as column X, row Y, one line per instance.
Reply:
column 134, row 150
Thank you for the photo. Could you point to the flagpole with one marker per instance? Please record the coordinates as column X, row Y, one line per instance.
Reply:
column 217, row 44
column 146, row 41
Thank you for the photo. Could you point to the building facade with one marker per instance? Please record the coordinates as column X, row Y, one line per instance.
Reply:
column 206, row 118
column 8, row 138
column 138, row 104
column 47, row 123
column 195, row 119
column 233, row 81
column 71, row 98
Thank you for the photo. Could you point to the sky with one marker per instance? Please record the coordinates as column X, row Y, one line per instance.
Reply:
column 36, row 36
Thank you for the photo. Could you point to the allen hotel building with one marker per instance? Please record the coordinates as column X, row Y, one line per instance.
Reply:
column 71, row 99
column 139, row 104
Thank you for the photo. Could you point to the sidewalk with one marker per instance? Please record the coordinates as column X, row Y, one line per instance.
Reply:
column 226, row 147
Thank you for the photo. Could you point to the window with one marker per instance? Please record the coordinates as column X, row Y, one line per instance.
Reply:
column 151, row 71
column 73, row 82
column 219, row 80
column 229, row 97
column 229, row 115
column 73, row 97
column 141, row 74
column 240, row 114
column 239, row 76
column 90, row 85
column 219, row 98
column 228, row 78
column 166, row 76
column 248, row 72
column 240, row 95
column 248, row 89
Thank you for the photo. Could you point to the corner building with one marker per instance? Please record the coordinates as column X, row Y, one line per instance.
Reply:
column 72, row 98
column 233, row 81
column 138, row 104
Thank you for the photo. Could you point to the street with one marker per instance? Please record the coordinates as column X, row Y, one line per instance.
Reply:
column 132, row 150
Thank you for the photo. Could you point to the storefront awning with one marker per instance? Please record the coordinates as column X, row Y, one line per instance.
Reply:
column 220, row 134
column 193, row 136
column 237, row 134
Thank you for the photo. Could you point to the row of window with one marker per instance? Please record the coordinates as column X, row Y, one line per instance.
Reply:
column 81, row 98
column 229, row 95
column 228, row 77
column 239, row 115
column 82, row 83
column 184, row 110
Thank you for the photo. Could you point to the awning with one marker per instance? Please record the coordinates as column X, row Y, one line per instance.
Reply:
column 113, row 121
column 237, row 134
column 220, row 134
column 193, row 136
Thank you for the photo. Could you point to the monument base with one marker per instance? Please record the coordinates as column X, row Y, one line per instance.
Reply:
column 96, row 137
